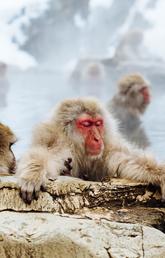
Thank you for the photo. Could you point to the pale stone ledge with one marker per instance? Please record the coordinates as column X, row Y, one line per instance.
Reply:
column 40, row 235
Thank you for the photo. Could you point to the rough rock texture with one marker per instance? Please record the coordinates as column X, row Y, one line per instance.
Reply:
column 70, row 195
column 47, row 235
column 75, row 218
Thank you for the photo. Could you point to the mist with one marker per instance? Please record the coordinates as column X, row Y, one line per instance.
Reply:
column 43, row 43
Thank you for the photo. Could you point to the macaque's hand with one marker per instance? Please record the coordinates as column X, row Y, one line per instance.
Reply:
column 67, row 171
column 30, row 189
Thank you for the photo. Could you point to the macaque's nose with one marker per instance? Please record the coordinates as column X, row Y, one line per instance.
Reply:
column 96, row 138
column 96, row 135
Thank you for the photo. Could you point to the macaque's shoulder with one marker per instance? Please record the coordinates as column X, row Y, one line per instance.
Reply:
column 45, row 134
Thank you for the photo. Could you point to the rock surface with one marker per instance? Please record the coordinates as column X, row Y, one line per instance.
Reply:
column 76, row 218
column 48, row 235
column 70, row 195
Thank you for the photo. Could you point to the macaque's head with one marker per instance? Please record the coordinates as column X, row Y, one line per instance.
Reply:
column 89, row 70
column 84, row 124
column 135, row 91
column 7, row 158
column 93, row 71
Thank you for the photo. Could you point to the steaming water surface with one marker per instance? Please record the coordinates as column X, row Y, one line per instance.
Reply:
column 33, row 94
column 31, row 98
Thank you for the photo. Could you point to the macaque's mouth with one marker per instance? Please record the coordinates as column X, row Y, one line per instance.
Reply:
column 95, row 156
column 94, row 152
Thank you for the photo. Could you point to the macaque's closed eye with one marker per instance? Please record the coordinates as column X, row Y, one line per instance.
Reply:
column 99, row 122
column 88, row 122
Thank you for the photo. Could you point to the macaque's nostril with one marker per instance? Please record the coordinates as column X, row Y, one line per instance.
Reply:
column 96, row 139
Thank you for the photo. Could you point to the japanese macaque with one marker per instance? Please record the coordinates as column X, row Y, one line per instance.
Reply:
column 83, row 133
column 128, row 105
column 89, row 76
column 7, row 158
column 129, row 46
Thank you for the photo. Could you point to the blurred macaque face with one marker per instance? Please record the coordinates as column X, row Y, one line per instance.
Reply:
column 144, row 91
column 138, row 94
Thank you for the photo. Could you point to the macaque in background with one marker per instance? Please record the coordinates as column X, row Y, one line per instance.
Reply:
column 7, row 158
column 88, row 77
column 82, row 132
column 130, row 46
column 128, row 105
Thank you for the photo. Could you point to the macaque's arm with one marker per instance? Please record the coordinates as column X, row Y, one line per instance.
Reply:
column 32, row 172
column 140, row 167
column 36, row 167
column 140, row 137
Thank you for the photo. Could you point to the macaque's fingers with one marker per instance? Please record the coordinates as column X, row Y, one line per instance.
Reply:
column 13, row 171
column 67, row 164
column 23, row 194
column 29, row 191
column 67, row 167
column 43, row 188
column 69, row 160
column 36, row 195
column 26, row 196
column 29, row 197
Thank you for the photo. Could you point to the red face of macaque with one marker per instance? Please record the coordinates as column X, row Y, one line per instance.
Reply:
column 92, row 129
column 146, row 94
